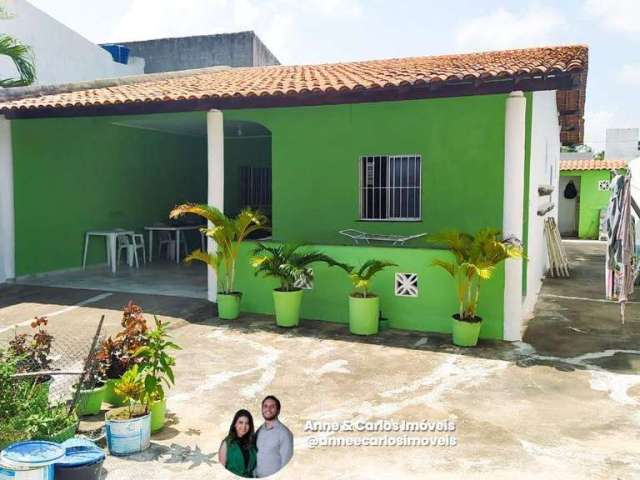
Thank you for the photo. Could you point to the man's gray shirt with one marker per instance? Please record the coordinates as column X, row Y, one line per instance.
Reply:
column 275, row 448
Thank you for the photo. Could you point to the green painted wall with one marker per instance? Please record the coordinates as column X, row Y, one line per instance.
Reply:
column 591, row 200
column 77, row 174
column 328, row 300
column 316, row 151
column 239, row 152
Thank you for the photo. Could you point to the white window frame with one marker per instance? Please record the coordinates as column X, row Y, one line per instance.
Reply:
column 389, row 189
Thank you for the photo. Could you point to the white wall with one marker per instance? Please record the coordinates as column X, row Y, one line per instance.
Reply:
column 621, row 143
column 61, row 55
column 544, row 166
column 7, row 240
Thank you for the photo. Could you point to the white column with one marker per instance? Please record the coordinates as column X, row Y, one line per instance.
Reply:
column 7, row 224
column 512, row 209
column 215, row 197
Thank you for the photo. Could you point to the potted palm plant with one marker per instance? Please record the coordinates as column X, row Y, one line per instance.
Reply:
column 364, row 306
column 476, row 257
column 288, row 264
column 228, row 234
column 157, row 368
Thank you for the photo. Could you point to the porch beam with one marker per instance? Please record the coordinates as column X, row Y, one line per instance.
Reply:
column 513, row 209
column 7, row 221
column 215, row 183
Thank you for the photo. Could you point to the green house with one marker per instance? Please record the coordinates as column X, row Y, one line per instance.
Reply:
column 397, row 147
column 584, row 195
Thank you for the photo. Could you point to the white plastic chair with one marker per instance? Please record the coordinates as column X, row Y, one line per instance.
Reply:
column 125, row 243
column 166, row 240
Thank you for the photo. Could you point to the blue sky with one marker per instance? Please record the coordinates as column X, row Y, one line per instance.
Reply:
column 312, row 31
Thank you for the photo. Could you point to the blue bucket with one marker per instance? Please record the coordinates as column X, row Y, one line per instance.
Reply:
column 30, row 460
column 126, row 437
column 82, row 461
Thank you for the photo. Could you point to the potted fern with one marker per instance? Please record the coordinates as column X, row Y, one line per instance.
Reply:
column 476, row 257
column 228, row 235
column 289, row 265
column 364, row 306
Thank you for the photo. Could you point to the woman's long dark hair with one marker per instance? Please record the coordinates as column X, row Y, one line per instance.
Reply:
column 247, row 440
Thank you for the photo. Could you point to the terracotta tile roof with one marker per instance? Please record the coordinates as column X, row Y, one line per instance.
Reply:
column 592, row 164
column 417, row 77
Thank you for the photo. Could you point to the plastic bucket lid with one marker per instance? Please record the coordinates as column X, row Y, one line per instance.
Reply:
column 31, row 454
column 80, row 452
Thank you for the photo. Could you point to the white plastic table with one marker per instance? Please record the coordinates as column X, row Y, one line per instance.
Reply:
column 111, row 237
column 169, row 228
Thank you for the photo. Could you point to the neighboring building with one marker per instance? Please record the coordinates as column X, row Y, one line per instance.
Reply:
column 241, row 49
column 584, row 195
column 61, row 55
column 576, row 155
column 622, row 143
column 399, row 146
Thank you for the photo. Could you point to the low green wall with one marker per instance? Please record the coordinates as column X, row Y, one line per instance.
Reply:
column 430, row 312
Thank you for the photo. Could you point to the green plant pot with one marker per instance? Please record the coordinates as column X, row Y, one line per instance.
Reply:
column 465, row 334
column 229, row 305
column 90, row 401
column 363, row 315
column 158, row 412
column 287, row 307
column 110, row 395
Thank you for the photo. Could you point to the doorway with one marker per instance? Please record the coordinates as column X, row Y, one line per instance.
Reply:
column 569, row 208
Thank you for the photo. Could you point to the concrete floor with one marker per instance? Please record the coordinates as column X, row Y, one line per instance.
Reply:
column 160, row 277
column 564, row 404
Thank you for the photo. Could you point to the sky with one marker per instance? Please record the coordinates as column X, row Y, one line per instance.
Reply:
column 322, row 31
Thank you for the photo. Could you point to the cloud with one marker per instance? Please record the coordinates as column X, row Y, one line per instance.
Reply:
column 619, row 15
column 596, row 123
column 277, row 23
column 503, row 29
column 630, row 75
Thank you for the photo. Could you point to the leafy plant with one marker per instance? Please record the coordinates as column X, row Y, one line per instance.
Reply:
column 131, row 387
column 157, row 365
column 288, row 264
column 116, row 355
column 33, row 353
column 228, row 234
column 361, row 278
column 476, row 257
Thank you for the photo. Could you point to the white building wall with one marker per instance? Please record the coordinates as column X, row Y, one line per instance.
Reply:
column 61, row 55
column 621, row 143
column 544, row 170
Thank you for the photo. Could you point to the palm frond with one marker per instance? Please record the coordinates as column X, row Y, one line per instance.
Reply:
column 211, row 214
column 22, row 57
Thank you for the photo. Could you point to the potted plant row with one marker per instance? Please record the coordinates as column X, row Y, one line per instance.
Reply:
column 475, row 259
column 228, row 235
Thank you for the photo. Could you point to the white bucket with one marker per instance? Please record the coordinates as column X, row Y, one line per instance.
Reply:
column 10, row 471
column 125, row 437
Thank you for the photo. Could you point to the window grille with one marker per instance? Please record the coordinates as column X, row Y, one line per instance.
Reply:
column 390, row 187
column 255, row 188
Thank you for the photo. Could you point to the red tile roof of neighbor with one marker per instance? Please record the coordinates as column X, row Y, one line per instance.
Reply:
column 592, row 164
column 550, row 68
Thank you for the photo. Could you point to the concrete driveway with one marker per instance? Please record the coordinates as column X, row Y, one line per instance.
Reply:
column 563, row 405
